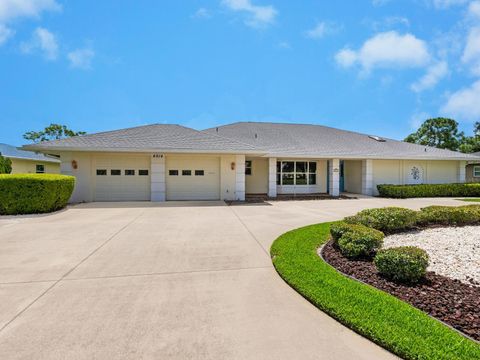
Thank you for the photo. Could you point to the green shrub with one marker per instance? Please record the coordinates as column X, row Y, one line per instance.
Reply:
column 360, row 241
column 429, row 190
column 407, row 264
column 34, row 193
column 388, row 220
column 339, row 228
column 449, row 215
column 5, row 165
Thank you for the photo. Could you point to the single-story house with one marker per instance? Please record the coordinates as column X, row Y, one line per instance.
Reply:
column 473, row 169
column 29, row 162
column 170, row 162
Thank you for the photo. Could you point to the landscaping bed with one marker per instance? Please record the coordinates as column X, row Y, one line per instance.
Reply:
column 446, row 299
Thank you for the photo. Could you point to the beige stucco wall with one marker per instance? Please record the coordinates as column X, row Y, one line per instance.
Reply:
column 257, row 182
column 398, row 171
column 85, row 172
column 353, row 176
column 469, row 174
column 20, row 166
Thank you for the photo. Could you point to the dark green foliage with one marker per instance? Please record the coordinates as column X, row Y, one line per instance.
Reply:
column 449, row 215
column 442, row 133
column 51, row 132
column 361, row 241
column 388, row 219
column 34, row 193
column 429, row 190
column 5, row 165
column 405, row 264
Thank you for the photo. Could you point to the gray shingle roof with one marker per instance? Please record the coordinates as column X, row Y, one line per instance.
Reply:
column 300, row 140
column 156, row 137
column 14, row 153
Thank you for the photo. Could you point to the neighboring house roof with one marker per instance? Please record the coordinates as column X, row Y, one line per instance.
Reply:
column 156, row 137
column 301, row 140
column 12, row 152
column 265, row 139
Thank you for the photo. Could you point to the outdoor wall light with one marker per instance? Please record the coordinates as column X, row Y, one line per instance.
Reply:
column 232, row 165
column 74, row 164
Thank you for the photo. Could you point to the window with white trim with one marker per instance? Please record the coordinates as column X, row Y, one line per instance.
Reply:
column 476, row 171
column 296, row 173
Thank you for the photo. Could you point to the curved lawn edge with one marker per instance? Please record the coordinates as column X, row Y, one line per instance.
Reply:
column 380, row 317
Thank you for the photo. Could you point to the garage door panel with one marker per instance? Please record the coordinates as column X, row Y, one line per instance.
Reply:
column 122, row 187
column 193, row 187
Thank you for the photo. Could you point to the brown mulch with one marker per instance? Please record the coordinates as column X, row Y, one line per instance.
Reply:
column 449, row 300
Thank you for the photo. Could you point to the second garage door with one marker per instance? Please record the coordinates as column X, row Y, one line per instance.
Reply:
column 193, row 178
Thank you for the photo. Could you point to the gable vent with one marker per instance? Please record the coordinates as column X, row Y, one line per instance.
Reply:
column 377, row 138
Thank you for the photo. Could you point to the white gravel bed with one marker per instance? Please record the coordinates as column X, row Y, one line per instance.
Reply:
column 454, row 251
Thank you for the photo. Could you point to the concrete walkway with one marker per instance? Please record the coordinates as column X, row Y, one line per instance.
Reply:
column 166, row 281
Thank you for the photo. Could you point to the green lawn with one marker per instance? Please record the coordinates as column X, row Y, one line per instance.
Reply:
column 470, row 199
column 391, row 323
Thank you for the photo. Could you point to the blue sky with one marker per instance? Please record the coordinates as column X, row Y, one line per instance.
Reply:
column 374, row 66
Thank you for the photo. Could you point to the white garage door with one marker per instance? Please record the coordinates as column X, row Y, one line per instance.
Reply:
column 193, row 178
column 122, row 178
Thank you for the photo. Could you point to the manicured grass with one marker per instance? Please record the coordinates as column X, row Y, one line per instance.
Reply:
column 470, row 199
column 382, row 318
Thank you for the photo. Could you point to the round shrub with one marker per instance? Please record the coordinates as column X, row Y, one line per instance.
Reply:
column 360, row 242
column 405, row 264
column 34, row 193
column 388, row 219
column 449, row 215
column 340, row 228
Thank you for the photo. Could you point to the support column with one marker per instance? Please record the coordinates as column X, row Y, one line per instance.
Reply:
column 240, row 177
column 157, row 178
column 367, row 177
column 272, row 177
column 461, row 178
column 334, row 177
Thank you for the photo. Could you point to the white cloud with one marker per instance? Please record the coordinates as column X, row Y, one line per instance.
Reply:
column 258, row 16
column 322, row 29
column 5, row 34
column 417, row 119
column 386, row 50
column 464, row 104
column 434, row 74
column 445, row 4
column 474, row 9
column 81, row 58
column 43, row 41
column 11, row 9
column 471, row 53
column 285, row 45
column 202, row 13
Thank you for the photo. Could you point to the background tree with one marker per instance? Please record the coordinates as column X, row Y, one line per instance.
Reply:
column 442, row 133
column 5, row 165
column 51, row 132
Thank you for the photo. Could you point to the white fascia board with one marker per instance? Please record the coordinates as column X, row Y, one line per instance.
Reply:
column 362, row 157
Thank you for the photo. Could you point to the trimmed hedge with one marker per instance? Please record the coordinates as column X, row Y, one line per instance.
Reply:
column 405, row 264
column 449, row 215
column 360, row 241
column 429, row 190
column 338, row 229
column 34, row 193
column 388, row 219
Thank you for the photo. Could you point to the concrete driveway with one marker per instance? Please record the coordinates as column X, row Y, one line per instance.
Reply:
column 166, row 281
